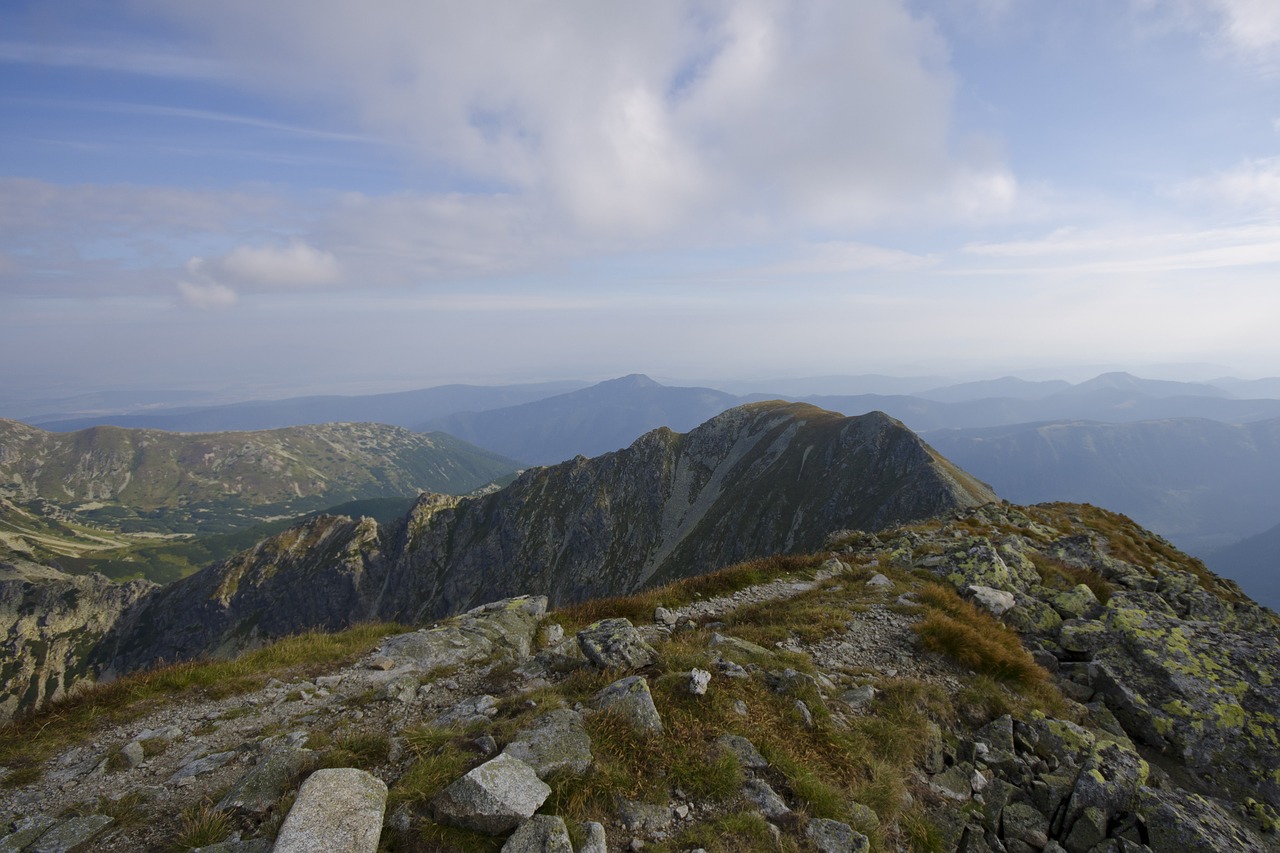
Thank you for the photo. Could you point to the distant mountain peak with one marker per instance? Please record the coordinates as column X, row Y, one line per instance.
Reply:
column 630, row 382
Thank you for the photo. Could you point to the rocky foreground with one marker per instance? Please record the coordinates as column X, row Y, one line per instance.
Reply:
column 1041, row 679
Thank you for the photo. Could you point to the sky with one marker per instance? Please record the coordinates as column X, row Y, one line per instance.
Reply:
column 310, row 196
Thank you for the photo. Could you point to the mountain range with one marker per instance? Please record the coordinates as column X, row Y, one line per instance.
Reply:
column 757, row 480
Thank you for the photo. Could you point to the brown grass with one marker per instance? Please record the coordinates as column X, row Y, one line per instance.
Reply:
column 974, row 639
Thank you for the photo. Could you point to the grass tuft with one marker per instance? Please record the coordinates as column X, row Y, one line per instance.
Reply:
column 974, row 639
column 201, row 825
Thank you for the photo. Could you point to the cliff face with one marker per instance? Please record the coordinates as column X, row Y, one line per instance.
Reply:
column 757, row 480
column 51, row 621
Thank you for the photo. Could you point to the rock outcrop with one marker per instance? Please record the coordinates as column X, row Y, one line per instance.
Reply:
column 51, row 621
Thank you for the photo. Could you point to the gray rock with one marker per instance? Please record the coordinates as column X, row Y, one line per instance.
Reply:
column 551, row 634
column 338, row 810
column 540, row 834
column 764, row 798
column 1075, row 603
column 500, row 629
column 257, row 791
column 699, row 679
column 594, row 840
column 1189, row 823
column 1089, row 829
column 803, row 712
column 744, row 750
column 642, row 817
column 831, row 836
column 743, row 650
column 615, row 644
column 70, row 833
column 493, row 798
column 402, row 689
column 555, row 741
column 663, row 616
column 200, row 766
column 997, row 602
column 1024, row 823
column 133, row 753
column 998, row 734
column 471, row 709
column 1109, row 780
column 858, row 697
column 25, row 831
column 630, row 698
column 879, row 581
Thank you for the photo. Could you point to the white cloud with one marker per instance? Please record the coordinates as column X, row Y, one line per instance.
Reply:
column 1117, row 252
column 294, row 265
column 1252, row 186
column 629, row 120
column 1252, row 25
column 835, row 257
column 207, row 296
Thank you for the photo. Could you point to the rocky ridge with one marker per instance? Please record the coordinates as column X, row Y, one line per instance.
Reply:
column 804, row 704
column 756, row 480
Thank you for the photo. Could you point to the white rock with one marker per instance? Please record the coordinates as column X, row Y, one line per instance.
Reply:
column 338, row 811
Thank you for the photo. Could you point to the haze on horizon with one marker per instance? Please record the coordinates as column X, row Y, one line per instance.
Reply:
column 310, row 197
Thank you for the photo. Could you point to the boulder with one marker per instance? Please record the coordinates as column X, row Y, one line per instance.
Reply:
column 501, row 629
column 257, row 791
column 831, row 836
column 630, row 698
column 699, row 680
column 765, row 799
column 743, row 750
column 540, row 834
column 615, row 644
column 555, row 741
column 995, row 601
column 594, row 840
column 338, row 810
column 493, row 798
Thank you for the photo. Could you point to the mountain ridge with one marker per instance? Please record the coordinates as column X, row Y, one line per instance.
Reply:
column 667, row 506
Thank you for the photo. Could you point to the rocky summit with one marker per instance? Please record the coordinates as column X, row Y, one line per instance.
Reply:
column 997, row 678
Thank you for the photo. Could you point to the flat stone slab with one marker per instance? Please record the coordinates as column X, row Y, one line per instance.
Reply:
column 493, row 798
column 338, row 811
column 556, row 741
column 70, row 834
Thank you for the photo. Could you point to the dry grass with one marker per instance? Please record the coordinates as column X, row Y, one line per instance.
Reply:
column 640, row 606
column 974, row 639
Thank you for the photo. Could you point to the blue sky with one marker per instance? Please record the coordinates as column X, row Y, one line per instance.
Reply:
column 315, row 195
